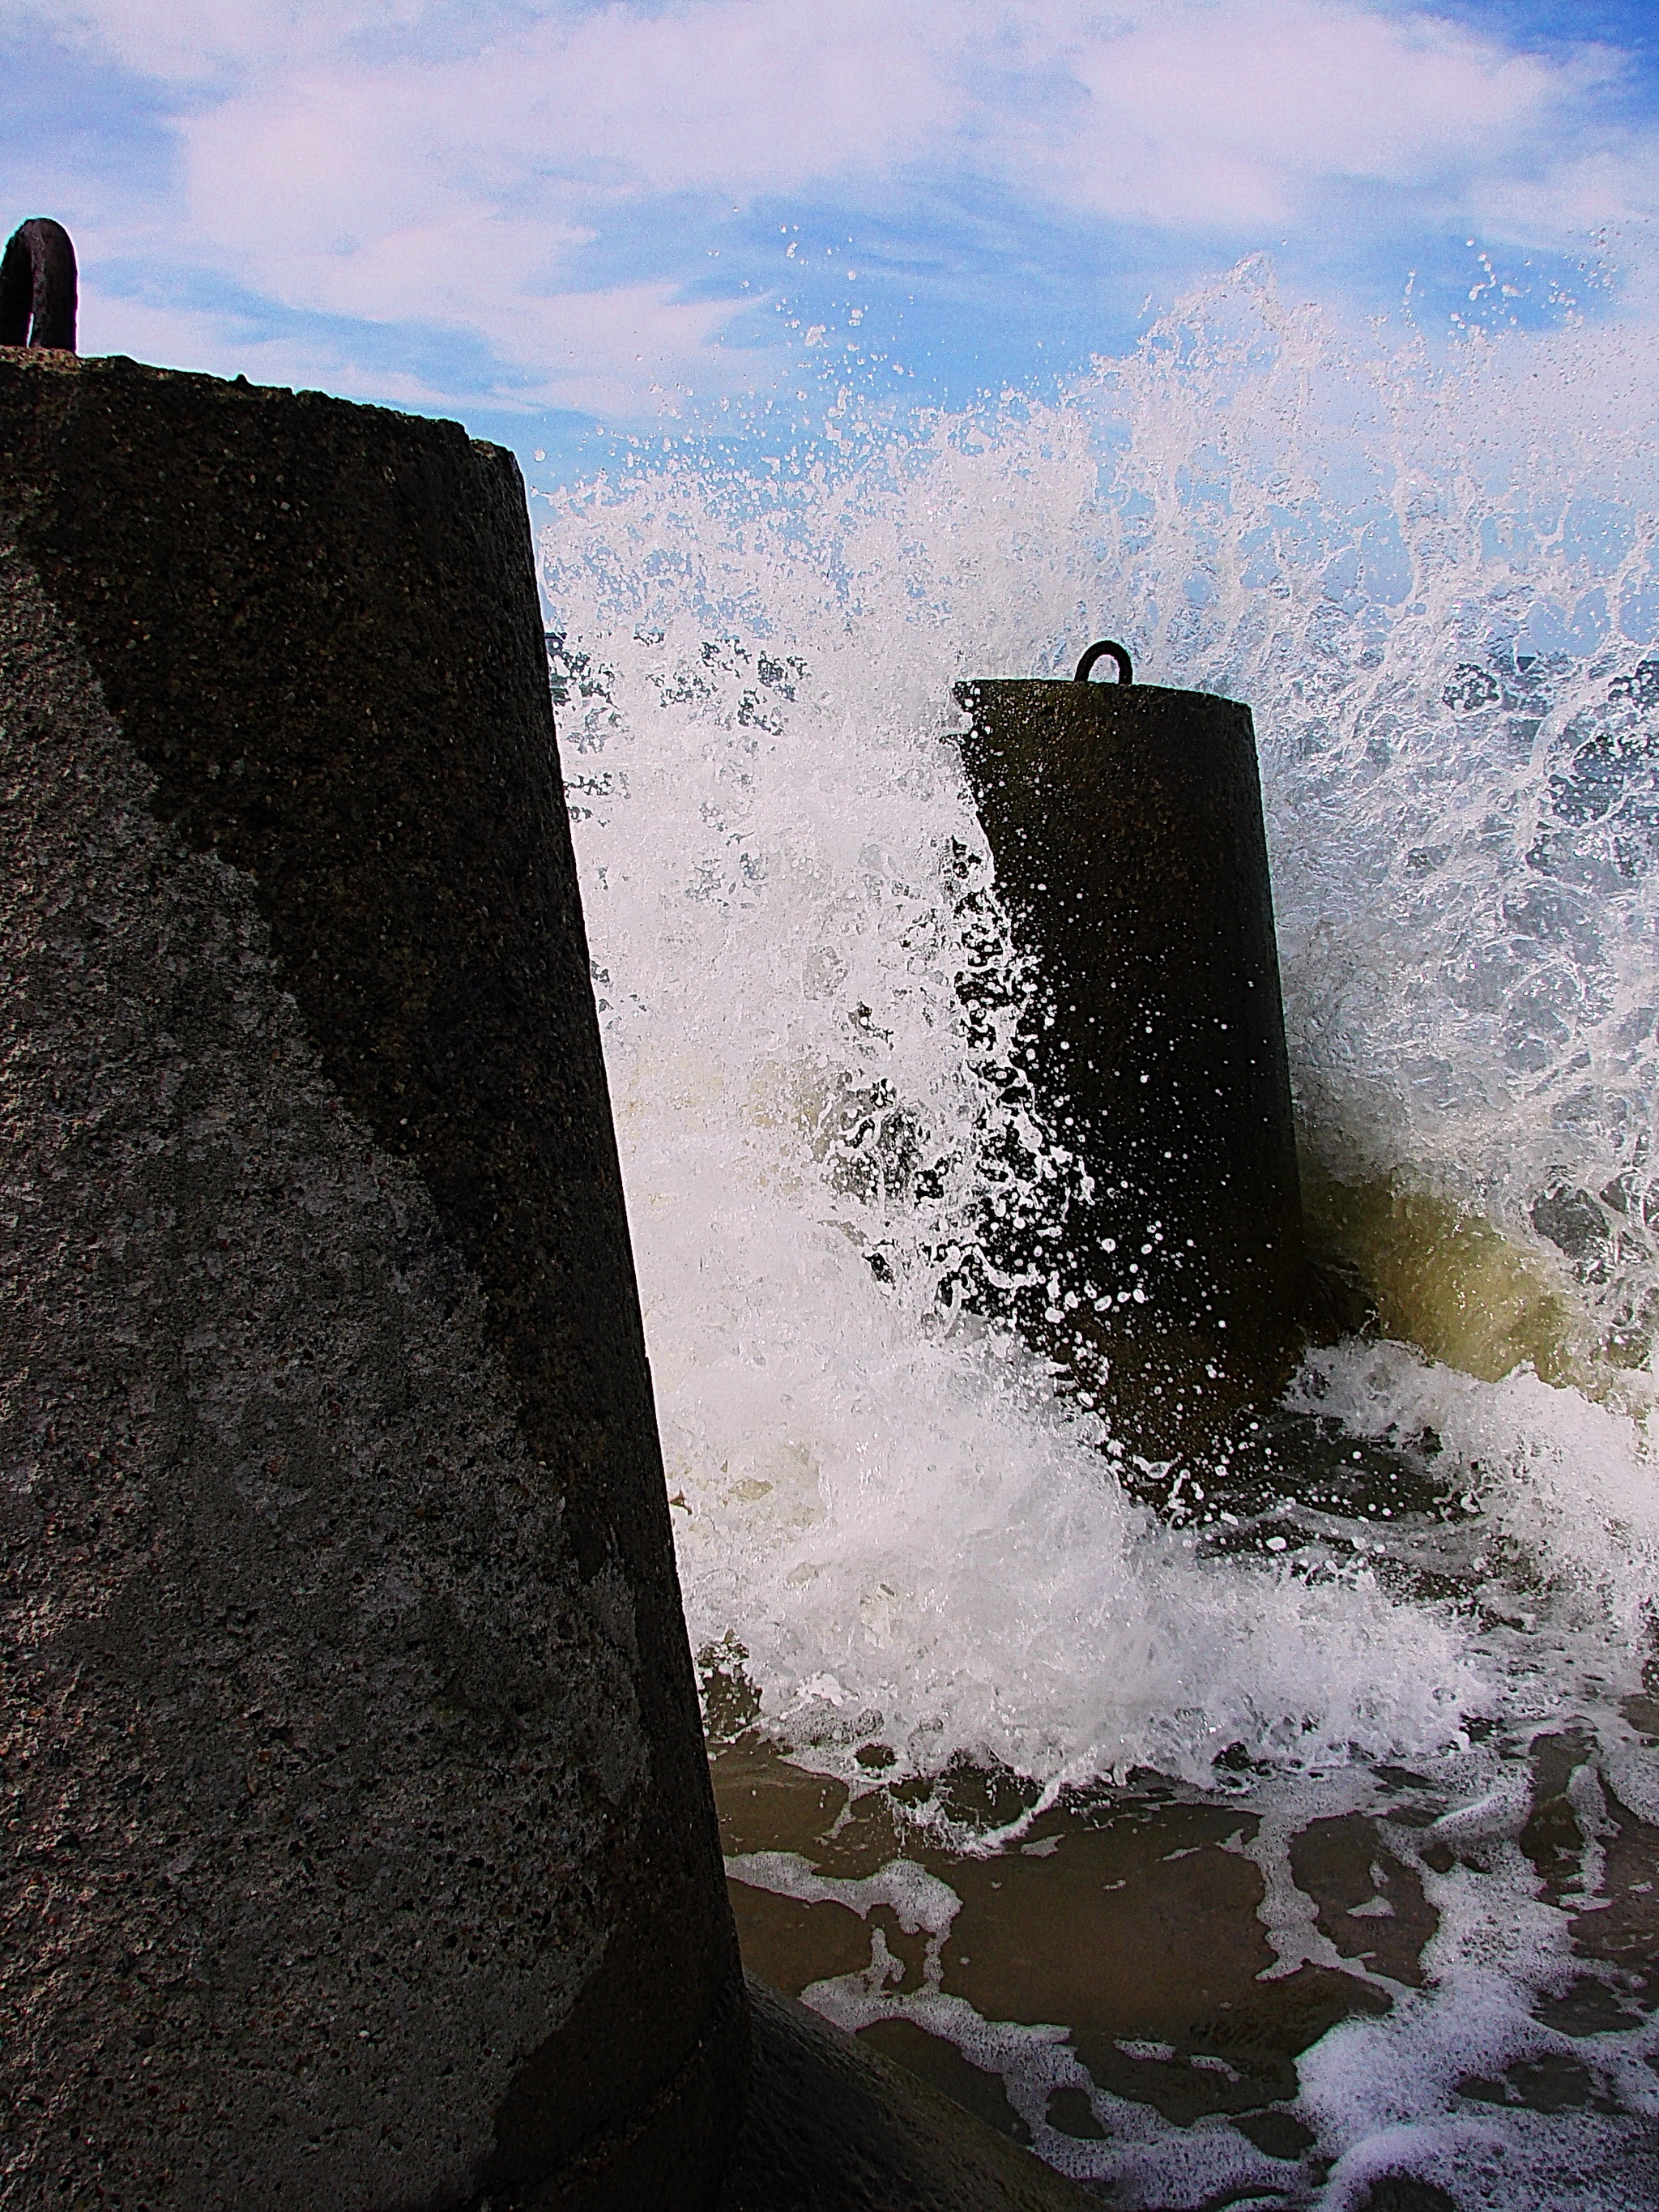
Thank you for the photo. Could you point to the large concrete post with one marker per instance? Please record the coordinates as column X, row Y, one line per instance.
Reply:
column 1125, row 825
column 359, row 1850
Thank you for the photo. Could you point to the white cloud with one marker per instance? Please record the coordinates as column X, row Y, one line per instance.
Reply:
column 733, row 95
column 599, row 348
column 193, row 41
column 630, row 354
column 1569, row 199
column 1172, row 112
column 1242, row 112
column 193, row 338
column 402, row 161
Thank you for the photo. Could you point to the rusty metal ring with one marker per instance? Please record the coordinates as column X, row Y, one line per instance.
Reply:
column 38, row 287
column 1118, row 652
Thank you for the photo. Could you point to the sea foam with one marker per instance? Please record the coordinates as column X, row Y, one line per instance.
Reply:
column 1434, row 581
column 1432, row 573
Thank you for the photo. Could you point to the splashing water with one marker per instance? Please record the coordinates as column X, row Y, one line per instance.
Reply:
column 1436, row 579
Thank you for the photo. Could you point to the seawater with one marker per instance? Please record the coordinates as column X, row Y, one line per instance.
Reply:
column 908, row 1558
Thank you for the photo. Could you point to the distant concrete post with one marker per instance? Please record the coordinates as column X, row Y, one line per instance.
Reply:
column 359, row 1850
column 1125, row 825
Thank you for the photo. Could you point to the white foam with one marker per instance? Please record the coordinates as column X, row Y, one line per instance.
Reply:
column 785, row 887
column 1567, row 1532
column 1384, row 2092
column 919, row 1900
column 1147, row 2158
column 1634, row 1775
column 774, row 841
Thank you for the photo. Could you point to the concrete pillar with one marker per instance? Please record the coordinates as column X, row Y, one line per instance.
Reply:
column 1125, row 825
column 359, row 1850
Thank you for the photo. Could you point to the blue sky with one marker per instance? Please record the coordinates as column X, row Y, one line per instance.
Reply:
column 565, row 222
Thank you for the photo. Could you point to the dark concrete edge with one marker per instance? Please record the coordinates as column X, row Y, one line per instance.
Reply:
column 1105, row 697
column 691, row 2119
column 832, row 2126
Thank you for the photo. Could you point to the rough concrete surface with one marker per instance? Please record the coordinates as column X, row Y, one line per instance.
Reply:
column 833, row 2127
column 359, row 1852
column 1126, row 824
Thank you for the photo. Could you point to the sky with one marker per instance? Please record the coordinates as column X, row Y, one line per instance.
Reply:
column 569, row 224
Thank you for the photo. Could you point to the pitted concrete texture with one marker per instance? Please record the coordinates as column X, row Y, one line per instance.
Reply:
column 301, row 1652
column 356, row 1853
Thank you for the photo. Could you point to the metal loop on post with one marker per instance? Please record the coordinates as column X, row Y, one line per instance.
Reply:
column 1118, row 652
column 38, row 287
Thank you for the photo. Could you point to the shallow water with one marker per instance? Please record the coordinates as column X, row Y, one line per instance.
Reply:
column 1378, row 1671
column 1276, row 1996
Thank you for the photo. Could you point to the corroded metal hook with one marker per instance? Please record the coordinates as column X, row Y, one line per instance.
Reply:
column 1120, row 653
column 38, row 287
